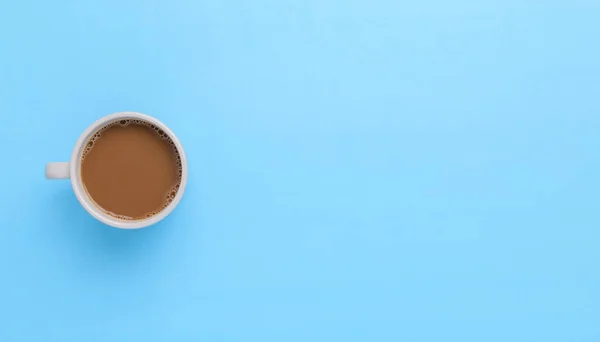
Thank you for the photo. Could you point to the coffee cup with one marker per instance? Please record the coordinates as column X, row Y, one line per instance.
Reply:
column 118, row 192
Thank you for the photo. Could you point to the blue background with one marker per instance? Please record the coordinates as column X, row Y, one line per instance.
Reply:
column 378, row 170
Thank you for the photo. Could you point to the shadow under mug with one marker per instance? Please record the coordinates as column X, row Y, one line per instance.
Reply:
column 72, row 170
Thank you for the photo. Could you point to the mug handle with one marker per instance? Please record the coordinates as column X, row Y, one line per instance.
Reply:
column 58, row 170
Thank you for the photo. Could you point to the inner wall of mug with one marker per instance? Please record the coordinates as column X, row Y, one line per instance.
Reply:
column 104, row 198
column 88, row 202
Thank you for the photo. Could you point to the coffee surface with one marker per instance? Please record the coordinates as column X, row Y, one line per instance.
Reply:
column 131, row 169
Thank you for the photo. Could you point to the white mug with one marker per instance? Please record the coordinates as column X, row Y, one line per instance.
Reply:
column 72, row 170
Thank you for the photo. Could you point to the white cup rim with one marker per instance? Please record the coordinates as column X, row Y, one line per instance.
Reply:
column 86, row 201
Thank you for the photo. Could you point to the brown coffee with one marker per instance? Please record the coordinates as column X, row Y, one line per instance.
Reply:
column 131, row 169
